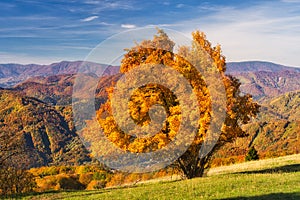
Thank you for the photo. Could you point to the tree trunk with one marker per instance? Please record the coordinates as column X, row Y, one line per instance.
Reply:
column 192, row 166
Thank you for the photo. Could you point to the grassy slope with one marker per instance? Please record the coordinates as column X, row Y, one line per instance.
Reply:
column 266, row 179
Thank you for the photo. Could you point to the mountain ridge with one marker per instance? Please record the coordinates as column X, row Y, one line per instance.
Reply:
column 12, row 74
column 255, row 66
column 53, row 94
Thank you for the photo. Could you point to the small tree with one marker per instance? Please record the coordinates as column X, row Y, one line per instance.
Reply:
column 252, row 154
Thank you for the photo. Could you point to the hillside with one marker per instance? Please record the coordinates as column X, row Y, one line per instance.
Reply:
column 282, row 107
column 58, row 89
column 45, row 133
column 268, row 84
column 264, row 79
column 275, row 132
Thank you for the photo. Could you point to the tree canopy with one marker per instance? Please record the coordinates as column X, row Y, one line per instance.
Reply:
column 160, row 51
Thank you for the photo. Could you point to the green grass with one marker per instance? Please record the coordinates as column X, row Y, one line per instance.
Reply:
column 267, row 179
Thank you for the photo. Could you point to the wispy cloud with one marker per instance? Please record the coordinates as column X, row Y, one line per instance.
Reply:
column 29, row 18
column 5, row 5
column 113, row 5
column 88, row 19
column 128, row 26
column 180, row 5
column 265, row 31
column 290, row 1
column 249, row 30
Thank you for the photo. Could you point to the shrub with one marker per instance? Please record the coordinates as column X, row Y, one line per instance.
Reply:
column 252, row 154
column 116, row 180
column 66, row 170
column 47, row 183
column 85, row 179
column 82, row 169
column 49, row 171
column 146, row 176
column 132, row 178
column 96, row 184
column 99, row 176
column 69, row 182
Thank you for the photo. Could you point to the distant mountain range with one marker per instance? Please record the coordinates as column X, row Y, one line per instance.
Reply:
column 255, row 66
column 12, row 74
column 261, row 79
column 264, row 79
column 44, row 92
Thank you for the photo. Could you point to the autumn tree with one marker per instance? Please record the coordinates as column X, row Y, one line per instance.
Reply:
column 252, row 154
column 160, row 52
column 13, row 179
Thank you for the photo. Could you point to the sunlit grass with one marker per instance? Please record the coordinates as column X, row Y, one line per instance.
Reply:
column 266, row 179
column 256, row 165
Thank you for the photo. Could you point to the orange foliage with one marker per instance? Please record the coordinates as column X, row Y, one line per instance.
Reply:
column 239, row 109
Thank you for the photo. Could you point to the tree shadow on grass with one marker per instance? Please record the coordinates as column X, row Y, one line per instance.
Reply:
column 282, row 169
column 55, row 194
column 272, row 196
column 58, row 194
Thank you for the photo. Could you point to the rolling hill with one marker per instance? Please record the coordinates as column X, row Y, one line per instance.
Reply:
column 45, row 134
column 275, row 132
column 50, row 134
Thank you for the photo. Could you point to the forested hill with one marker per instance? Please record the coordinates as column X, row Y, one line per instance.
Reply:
column 38, row 134
column 263, row 79
column 38, row 110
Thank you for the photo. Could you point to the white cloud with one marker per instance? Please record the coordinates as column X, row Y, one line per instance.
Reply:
column 109, row 5
column 88, row 19
column 92, row 2
column 129, row 26
column 290, row 1
column 179, row 5
column 266, row 31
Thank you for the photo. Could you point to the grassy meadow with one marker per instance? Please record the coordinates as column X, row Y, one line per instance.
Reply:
column 276, row 178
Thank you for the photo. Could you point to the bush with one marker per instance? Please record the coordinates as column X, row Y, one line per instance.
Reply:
column 47, row 183
column 82, row 169
column 69, row 182
column 85, row 179
column 132, row 178
column 48, row 171
column 252, row 154
column 66, row 170
column 99, row 176
column 94, row 185
column 116, row 180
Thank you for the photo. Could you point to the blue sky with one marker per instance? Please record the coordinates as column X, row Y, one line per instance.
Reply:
column 43, row 32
